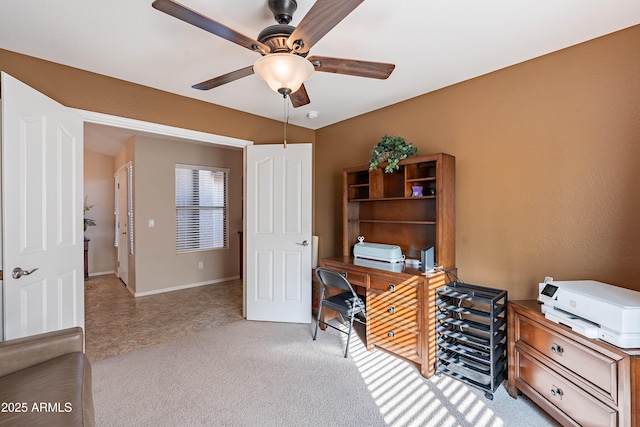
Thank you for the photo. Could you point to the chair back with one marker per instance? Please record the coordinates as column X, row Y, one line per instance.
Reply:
column 334, row 279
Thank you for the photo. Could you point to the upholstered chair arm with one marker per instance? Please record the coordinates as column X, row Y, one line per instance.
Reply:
column 24, row 352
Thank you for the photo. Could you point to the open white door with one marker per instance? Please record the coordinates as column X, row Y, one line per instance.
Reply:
column 278, row 233
column 43, row 242
column 123, row 224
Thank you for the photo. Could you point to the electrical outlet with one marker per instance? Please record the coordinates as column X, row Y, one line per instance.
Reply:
column 200, row 265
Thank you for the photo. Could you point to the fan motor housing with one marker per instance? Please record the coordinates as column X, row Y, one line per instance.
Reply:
column 276, row 37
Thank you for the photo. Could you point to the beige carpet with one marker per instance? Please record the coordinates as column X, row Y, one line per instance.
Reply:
column 272, row 374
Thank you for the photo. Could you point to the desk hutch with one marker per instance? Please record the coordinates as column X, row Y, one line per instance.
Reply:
column 379, row 206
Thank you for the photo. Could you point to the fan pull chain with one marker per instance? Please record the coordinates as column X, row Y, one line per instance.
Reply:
column 286, row 120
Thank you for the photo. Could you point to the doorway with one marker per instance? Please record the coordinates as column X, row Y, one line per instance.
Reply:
column 116, row 139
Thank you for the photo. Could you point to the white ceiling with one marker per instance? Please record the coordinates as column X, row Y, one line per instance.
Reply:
column 434, row 43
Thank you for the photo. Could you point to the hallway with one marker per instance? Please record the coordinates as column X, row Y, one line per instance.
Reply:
column 116, row 322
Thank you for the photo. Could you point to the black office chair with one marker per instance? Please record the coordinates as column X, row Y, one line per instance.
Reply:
column 346, row 303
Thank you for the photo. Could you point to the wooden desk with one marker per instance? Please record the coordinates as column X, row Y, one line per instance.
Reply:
column 577, row 380
column 400, row 308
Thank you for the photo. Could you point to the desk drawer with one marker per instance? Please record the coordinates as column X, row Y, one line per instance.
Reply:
column 563, row 394
column 392, row 313
column 355, row 277
column 401, row 341
column 594, row 367
column 396, row 293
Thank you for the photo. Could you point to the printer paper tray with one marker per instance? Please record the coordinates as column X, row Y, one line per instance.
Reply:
column 577, row 324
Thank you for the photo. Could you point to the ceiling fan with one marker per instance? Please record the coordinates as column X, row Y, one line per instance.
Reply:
column 284, row 64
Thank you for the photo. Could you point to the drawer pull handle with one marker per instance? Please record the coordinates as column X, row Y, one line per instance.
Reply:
column 392, row 287
column 557, row 349
column 557, row 392
column 344, row 274
column 391, row 334
column 391, row 309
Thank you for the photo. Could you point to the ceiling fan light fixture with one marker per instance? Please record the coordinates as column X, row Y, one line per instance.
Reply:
column 283, row 72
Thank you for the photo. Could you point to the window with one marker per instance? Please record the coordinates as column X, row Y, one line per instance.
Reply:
column 201, row 208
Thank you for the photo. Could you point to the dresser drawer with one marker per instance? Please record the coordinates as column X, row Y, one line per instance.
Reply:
column 403, row 342
column 567, row 397
column 592, row 366
column 393, row 313
column 396, row 293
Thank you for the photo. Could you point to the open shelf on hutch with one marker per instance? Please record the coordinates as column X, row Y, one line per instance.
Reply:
column 380, row 207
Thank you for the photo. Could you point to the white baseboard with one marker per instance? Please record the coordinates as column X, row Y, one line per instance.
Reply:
column 177, row 288
column 101, row 273
column 131, row 291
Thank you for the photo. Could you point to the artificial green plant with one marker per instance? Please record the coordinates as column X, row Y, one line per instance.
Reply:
column 391, row 149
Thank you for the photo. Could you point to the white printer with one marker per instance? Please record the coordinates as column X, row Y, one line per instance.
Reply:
column 593, row 309
column 377, row 251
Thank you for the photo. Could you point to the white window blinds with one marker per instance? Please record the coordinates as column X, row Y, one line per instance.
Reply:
column 115, row 210
column 201, row 208
column 130, row 204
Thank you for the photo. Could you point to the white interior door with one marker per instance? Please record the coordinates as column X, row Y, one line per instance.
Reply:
column 123, row 223
column 42, row 193
column 278, row 233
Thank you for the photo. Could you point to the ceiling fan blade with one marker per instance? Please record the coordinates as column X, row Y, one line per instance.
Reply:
column 194, row 18
column 225, row 78
column 321, row 18
column 299, row 97
column 353, row 67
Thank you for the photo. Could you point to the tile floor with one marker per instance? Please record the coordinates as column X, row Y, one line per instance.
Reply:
column 116, row 322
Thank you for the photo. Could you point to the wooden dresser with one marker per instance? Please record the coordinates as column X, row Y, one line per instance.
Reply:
column 400, row 308
column 577, row 380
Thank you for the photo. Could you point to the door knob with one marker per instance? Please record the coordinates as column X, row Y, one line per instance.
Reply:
column 304, row 243
column 18, row 272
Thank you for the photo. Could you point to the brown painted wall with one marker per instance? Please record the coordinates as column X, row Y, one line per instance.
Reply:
column 548, row 166
column 93, row 92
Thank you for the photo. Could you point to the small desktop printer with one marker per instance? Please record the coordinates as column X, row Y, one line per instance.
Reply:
column 593, row 309
column 377, row 251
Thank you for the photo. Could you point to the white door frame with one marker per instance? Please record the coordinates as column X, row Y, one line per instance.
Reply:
column 159, row 129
